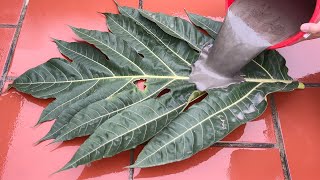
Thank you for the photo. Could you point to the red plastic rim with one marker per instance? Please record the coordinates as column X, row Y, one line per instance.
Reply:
column 295, row 38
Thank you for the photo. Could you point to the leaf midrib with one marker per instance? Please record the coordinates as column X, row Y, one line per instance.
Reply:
column 157, row 77
column 115, row 77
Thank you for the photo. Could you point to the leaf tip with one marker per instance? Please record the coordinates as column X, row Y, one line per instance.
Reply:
column 185, row 10
column 55, row 40
column 131, row 166
column 9, row 87
column 37, row 124
column 37, row 142
column 117, row 4
column 73, row 28
column 66, row 167
column 100, row 12
column 107, row 14
column 54, row 141
column 44, row 138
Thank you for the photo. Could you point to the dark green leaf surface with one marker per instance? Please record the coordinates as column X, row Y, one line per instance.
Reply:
column 212, row 27
column 133, row 126
column 179, row 49
column 178, row 28
column 146, row 44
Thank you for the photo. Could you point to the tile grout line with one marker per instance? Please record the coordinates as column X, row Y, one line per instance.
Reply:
column 131, row 170
column 312, row 85
column 8, row 25
column 279, row 137
column 13, row 45
column 244, row 145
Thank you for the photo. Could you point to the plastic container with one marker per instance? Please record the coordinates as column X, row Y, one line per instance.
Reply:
column 297, row 37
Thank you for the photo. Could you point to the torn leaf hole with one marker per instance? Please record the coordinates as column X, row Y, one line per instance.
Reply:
column 140, row 84
column 199, row 99
column 141, row 55
column 163, row 92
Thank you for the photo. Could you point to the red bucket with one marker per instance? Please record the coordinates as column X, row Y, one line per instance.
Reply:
column 295, row 38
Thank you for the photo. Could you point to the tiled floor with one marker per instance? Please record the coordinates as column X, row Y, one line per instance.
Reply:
column 280, row 144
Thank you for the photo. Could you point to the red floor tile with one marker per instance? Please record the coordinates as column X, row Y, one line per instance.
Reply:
column 221, row 164
column 209, row 8
column 21, row 159
column 6, row 36
column 303, row 61
column 10, row 11
column 260, row 130
column 299, row 116
column 50, row 19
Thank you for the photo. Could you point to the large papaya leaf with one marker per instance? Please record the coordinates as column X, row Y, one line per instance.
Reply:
column 96, row 93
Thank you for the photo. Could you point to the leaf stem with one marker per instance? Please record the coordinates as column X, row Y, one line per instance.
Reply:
column 268, row 80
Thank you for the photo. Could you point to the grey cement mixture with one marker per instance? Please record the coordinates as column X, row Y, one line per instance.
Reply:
column 250, row 27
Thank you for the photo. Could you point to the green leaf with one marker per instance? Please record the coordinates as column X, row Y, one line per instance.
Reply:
column 222, row 111
column 212, row 27
column 133, row 126
column 178, row 28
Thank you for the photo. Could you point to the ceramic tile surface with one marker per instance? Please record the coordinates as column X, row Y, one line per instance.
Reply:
column 257, row 131
column 303, row 61
column 213, row 9
column 20, row 154
column 6, row 36
column 299, row 116
column 221, row 164
column 10, row 11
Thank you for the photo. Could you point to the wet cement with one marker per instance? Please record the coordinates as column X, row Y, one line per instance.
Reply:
column 250, row 27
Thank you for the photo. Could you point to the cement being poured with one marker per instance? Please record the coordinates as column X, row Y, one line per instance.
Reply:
column 250, row 27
